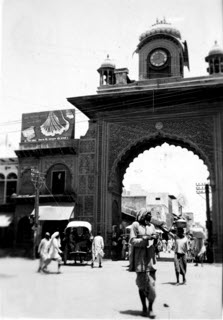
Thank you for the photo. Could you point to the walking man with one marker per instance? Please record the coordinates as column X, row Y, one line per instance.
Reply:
column 54, row 251
column 97, row 249
column 43, row 250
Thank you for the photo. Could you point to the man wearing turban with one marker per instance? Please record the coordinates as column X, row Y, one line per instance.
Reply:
column 142, row 236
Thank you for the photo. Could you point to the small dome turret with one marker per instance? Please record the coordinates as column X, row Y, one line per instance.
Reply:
column 106, row 71
column 108, row 63
column 215, row 60
column 215, row 50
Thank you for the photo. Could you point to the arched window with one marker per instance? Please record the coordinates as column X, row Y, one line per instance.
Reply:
column 11, row 176
column 2, row 188
column 11, row 186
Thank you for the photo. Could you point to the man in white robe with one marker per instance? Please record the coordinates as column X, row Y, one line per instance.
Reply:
column 97, row 249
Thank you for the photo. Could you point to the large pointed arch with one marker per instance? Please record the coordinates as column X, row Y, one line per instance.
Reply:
column 128, row 154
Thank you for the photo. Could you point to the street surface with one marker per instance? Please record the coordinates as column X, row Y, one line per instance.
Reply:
column 106, row 293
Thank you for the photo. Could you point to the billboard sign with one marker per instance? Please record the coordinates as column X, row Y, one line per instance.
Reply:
column 48, row 126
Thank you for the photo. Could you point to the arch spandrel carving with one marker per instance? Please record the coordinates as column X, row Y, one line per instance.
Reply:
column 194, row 135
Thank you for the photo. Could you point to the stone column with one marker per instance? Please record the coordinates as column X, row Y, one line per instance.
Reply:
column 217, row 218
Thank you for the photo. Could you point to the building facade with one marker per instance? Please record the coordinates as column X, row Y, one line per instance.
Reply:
column 127, row 117
column 8, row 190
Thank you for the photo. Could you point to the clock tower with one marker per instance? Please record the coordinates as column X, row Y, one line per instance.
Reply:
column 162, row 53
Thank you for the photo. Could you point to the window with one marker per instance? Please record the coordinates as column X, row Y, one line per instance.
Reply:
column 58, row 182
column 8, row 186
column 157, row 198
column 11, row 186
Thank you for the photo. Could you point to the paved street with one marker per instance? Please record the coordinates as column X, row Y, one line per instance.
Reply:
column 107, row 293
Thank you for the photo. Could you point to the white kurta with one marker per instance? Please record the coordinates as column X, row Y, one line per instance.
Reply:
column 97, row 246
column 54, row 249
column 43, row 248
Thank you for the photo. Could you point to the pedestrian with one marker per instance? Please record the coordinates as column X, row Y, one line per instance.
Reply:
column 124, row 247
column 164, row 245
column 142, row 237
column 169, row 244
column 43, row 250
column 201, row 254
column 199, row 249
column 180, row 256
column 190, row 254
column 158, row 246
column 114, row 243
column 54, row 251
column 97, row 250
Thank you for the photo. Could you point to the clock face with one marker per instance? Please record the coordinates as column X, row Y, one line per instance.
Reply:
column 158, row 58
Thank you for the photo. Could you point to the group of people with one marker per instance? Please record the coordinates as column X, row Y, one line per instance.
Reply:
column 49, row 250
column 197, row 250
column 119, row 244
column 78, row 241
column 143, row 242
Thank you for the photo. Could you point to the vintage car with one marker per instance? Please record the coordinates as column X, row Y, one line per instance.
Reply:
column 77, row 242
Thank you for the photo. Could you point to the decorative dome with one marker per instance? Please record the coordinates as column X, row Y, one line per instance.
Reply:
column 161, row 27
column 108, row 63
column 216, row 49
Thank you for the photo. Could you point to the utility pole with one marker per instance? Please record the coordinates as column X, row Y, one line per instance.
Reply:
column 203, row 188
column 209, row 226
column 37, row 179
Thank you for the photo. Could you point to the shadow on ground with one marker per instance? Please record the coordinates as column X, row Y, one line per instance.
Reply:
column 172, row 283
column 167, row 259
column 134, row 313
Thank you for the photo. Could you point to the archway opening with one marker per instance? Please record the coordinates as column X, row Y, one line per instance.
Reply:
column 171, row 170
column 169, row 180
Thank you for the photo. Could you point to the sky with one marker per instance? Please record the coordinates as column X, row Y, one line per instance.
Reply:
column 51, row 49
column 160, row 170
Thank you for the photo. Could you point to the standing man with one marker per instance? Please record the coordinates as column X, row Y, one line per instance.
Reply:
column 43, row 250
column 97, row 249
column 142, row 237
column 180, row 257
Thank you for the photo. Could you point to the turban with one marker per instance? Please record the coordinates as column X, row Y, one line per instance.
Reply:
column 141, row 214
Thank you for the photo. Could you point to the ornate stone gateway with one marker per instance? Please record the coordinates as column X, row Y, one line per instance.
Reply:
column 128, row 117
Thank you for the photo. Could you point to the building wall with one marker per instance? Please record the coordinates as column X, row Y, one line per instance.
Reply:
column 8, row 179
column 134, row 202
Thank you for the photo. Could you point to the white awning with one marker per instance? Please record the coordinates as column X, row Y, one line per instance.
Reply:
column 54, row 213
column 5, row 220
